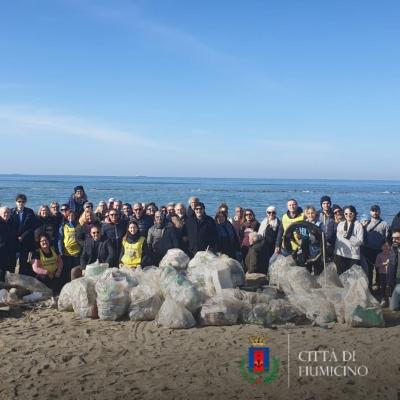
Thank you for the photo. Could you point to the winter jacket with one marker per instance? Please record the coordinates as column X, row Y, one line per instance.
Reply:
column 228, row 242
column 115, row 233
column 93, row 250
column 201, row 234
column 77, row 206
column 349, row 248
column 25, row 229
column 8, row 243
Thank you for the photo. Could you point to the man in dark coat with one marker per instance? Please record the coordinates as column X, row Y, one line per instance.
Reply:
column 25, row 222
column 114, row 232
column 144, row 221
column 8, row 243
column 200, row 231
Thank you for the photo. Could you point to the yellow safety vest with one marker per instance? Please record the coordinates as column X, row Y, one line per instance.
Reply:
column 132, row 253
column 286, row 222
column 71, row 246
column 49, row 263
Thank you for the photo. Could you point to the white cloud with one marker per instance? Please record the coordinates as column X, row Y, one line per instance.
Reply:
column 39, row 120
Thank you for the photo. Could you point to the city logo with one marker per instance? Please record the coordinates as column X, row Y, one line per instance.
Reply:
column 258, row 368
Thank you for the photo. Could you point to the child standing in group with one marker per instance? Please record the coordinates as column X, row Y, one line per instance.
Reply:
column 384, row 262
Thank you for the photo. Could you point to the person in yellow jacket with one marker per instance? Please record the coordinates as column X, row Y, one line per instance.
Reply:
column 134, row 250
column 293, row 214
column 47, row 264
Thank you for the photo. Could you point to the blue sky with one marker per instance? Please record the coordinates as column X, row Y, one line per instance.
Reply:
column 269, row 89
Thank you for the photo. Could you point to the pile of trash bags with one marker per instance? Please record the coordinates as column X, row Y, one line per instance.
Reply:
column 208, row 290
column 328, row 297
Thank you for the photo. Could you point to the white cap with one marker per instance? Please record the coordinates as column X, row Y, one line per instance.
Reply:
column 111, row 200
column 271, row 209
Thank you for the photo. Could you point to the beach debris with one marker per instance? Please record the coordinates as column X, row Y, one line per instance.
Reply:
column 175, row 258
column 174, row 315
column 112, row 291
column 144, row 304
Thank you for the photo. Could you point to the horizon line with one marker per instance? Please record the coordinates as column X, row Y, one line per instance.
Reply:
column 199, row 177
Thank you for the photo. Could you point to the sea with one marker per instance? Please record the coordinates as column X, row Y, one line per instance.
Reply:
column 256, row 194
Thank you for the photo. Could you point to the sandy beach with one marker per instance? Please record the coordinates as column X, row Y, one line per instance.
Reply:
column 47, row 354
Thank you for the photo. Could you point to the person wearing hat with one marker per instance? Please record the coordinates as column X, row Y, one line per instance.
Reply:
column 327, row 225
column 377, row 233
column 269, row 229
column 77, row 200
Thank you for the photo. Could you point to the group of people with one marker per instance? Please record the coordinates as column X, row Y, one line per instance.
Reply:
column 57, row 243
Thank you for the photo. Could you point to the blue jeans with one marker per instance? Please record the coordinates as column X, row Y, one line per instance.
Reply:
column 394, row 301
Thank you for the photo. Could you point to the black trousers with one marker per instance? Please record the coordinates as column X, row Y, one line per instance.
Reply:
column 370, row 258
column 344, row 263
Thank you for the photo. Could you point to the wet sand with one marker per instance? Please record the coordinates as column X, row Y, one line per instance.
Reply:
column 46, row 354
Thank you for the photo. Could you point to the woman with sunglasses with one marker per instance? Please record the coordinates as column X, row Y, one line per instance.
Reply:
column 269, row 229
column 47, row 264
column 349, row 238
column 250, row 224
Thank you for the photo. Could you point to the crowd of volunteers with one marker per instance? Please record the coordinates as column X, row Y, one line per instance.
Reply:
column 56, row 243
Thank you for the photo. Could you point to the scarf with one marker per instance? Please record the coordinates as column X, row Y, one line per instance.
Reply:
column 348, row 228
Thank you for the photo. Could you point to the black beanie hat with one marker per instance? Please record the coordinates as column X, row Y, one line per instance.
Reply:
column 79, row 187
column 325, row 198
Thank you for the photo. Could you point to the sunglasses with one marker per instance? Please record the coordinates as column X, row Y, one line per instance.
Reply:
column 64, row 209
column 248, row 214
column 349, row 213
column 271, row 212
column 198, row 208
column 396, row 237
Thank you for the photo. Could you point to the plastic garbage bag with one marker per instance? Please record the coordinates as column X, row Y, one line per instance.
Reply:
column 28, row 283
column 131, row 275
column 329, row 277
column 275, row 311
column 353, row 274
column 258, row 297
column 315, row 306
column 83, row 297
column 65, row 298
column 256, row 280
column 112, row 295
column 360, row 306
column 278, row 268
column 95, row 269
column 335, row 296
column 217, row 277
column 175, row 285
column 299, row 280
column 149, row 277
column 235, row 269
column 175, row 258
column 222, row 309
column 144, row 304
column 174, row 315
column 197, row 267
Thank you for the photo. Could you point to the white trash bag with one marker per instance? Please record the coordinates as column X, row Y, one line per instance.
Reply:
column 174, row 315
column 144, row 304
column 82, row 296
column 175, row 258
column 112, row 295
column 222, row 309
column 329, row 277
column 175, row 285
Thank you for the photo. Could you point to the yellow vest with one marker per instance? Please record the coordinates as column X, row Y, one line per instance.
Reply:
column 71, row 246
column 286, row 222
column 49, row 263
column 132, row 253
